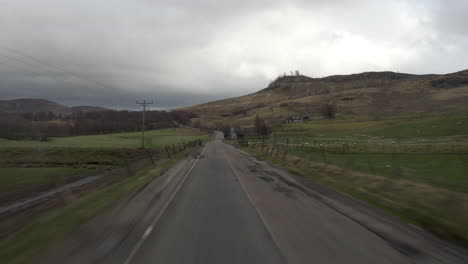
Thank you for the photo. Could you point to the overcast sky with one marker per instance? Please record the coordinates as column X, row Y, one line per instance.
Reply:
column 184, row 52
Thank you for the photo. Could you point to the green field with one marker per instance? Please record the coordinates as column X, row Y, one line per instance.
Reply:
column 153, row 139
column 94, row 150
column 11, row 178
column 28, row 166
column 431, row 150
column 413, row 167
column 443, row 170
column 32, row 241
column 439, row 208
column 443, row 127
column 65, row 157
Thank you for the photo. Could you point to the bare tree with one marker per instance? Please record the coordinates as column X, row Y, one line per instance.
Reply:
column 196, row 123
column 260, row 126
column 328, row 110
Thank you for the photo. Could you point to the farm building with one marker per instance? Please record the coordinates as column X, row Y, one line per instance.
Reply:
column 296, row 119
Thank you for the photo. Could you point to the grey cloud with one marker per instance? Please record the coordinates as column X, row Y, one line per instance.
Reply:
column 186, row 52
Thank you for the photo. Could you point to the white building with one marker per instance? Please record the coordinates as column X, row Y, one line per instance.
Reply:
column 232, row 133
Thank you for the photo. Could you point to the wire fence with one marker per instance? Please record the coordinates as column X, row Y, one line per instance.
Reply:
column 173, row 149
column 444, row 165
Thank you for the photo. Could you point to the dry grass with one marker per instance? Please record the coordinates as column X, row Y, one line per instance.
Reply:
column 377, row 95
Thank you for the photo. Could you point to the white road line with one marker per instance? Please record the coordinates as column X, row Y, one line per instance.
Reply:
column 151, row 227
column 262, row 217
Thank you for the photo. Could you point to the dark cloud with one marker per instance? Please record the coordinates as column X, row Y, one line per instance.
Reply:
column 181, row 52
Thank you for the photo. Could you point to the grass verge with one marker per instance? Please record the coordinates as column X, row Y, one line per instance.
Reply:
column 11, row 178
column 30, row 242
column 442, row 211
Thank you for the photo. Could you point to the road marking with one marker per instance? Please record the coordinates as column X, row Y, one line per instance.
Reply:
column 147, row 232
column 151, row 227
column 259, row 213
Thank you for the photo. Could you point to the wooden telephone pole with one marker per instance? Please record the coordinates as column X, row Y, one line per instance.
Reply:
column 144, row 104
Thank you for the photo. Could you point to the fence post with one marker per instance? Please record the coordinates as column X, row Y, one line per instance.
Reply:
column 168, row 153
column 286, row 151
column 324, row 156
column 150, row 156
column 173, row 149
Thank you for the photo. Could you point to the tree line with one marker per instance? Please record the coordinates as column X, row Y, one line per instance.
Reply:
column 42, row 125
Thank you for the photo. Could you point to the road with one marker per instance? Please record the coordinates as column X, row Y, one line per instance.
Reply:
column 210, row 220
column 224, row 206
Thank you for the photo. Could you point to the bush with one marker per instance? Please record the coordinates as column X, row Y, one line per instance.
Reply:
column 328, row 110
column 260, row 126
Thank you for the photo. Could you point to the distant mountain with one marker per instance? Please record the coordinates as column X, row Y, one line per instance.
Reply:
column 32, row 105
column 27, row 105
column 87, row 108
column 377, row 94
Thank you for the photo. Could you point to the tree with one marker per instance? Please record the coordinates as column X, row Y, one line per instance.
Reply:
column 328, row 110
column 225, row 129
column 195, row 123
column 260, row 126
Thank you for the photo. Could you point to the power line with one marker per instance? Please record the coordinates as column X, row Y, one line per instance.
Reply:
column 5, row 61
column 48, row 65
column 26, row 62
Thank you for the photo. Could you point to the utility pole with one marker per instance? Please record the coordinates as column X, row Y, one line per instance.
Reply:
column 144, row 104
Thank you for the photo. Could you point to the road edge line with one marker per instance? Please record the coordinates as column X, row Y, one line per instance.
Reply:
column 262, row 218
column 150, row 228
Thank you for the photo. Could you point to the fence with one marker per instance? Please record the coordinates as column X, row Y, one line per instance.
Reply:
column 420, row 161
column 173, row 149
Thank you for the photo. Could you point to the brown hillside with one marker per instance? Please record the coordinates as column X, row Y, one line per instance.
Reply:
column 376, row 94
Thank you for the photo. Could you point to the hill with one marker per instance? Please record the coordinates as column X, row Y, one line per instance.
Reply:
column 377, row 94
column 87, row 108
column 31, row 105
column 27, row 105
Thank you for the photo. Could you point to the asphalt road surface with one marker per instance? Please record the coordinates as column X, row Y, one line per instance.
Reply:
column 210, row 220
column 221, row 205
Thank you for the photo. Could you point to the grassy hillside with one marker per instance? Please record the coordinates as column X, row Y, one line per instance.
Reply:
column 437, row 126
column 372, row 94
